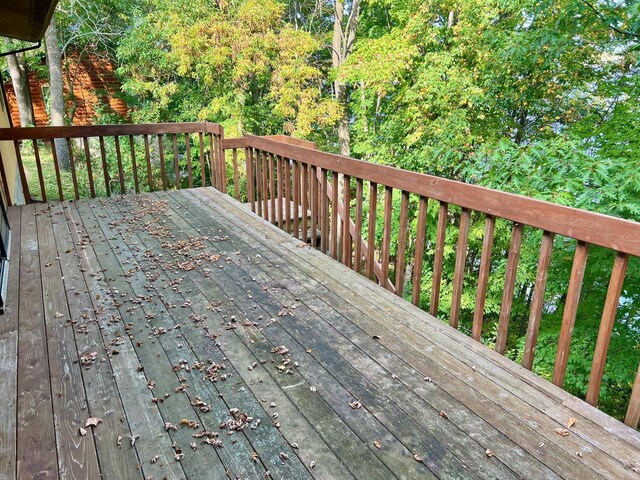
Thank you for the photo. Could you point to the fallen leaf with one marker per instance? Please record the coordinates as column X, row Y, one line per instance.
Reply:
column 312, row 464
column 417, row 457
column 377, row 444
column 490, row 453
column 571, row 422
column 444, row 415
column 92, row 422
column 82, row 432
column 376, row 337
column 562, row 432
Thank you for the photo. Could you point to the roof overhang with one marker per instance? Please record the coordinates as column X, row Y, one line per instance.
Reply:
column 25, row 19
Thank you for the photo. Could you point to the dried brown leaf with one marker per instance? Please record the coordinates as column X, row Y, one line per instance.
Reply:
column 571, row 422
column 377, row 444
column 490, row 453
column 562, row 432
column 92, row 422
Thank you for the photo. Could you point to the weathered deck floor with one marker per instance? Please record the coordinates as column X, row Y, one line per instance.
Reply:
column 118, row 309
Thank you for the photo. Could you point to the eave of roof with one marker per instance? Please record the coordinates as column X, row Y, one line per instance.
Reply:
column 25, row 19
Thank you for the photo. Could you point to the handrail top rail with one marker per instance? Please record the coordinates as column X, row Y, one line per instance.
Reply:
column 594, row 228
column 75, row 131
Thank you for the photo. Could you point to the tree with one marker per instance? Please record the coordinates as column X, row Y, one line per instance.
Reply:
column 19, row 71
column 56, row 89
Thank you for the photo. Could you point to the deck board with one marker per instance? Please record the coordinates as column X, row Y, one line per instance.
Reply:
column 132, row 279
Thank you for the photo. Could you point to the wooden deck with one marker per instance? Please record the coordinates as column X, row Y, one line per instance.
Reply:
column 171, row 317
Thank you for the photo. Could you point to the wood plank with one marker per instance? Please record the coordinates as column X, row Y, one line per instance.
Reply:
column 606, row 327
column 439, row 258
column 633, row 411
column 77, row 455
column 287, row 194
column 296, row 197
column 9, row 354
column 203, row 168
column 324, row 222
column 187, row 143
column 163, row 171
column 346, row 220
column 371, row 232
column 265, row 184
column 78, row 131
column 313, row 197
column 461, row 261
column 324, row 382
column 36, row 445
column 304, row 179
column 419, row 250
column 483, row 277
column 509, row 287
column 612, row 232
column 570, row 310
column 236, row 184
column 509, row 373
column 265, row 440
column 324, row 313
column 402, row 243
column 56, row 167
column 537, row 301
column 103, row 397
column 334, row 215
column 23, row 175
column 176, row 161
column 272, row 187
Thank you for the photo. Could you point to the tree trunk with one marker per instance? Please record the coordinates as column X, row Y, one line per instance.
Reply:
column 20, row 80
column 56, row 90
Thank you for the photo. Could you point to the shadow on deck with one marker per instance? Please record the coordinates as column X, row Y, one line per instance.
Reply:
column 211, row 344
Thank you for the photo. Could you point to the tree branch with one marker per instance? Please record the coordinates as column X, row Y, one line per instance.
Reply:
column 610, row 25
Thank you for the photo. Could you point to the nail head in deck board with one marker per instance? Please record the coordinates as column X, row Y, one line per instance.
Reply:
column 36, row 447
column 532, row 397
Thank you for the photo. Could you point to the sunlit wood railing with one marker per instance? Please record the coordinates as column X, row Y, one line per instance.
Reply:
column 293, row 185
column 106, row 159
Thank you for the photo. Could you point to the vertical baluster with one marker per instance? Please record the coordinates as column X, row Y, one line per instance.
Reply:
column 6, row 194
column 87, row 157
column 483, row 277
column 386, row 235
column 606, row 326
column 105, row 167
column 357, row 266
column 176, row 161
column 258, row 159
column 36, row 153
column 265, row 185
column 72, row 167
column 402, row 243
column 203, row 168
column 272, row 189
column 23, row 175
column 163, row 171
column 280, row 200
column 570, row 310
column 120, row 168
column 248, row 168
column 212, row 164
column 633, row 411
column 419, row 250
column 346, row 221
column 509, row 288
column 147, row 157
column 313, row 200
column 537, row 301
column 54, row 154
column 305, row 206
column 134, row 165
column 187, row 143
column 324, row 196
column 236, row 184
column 371, row 235
column 222, row 168
column 334, row 215
column 287, row 193
column 439, row 256
column 458, row 273
column 295, row 177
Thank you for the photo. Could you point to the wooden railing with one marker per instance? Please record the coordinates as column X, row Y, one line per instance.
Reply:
column 293, row 185
column 106, row 159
